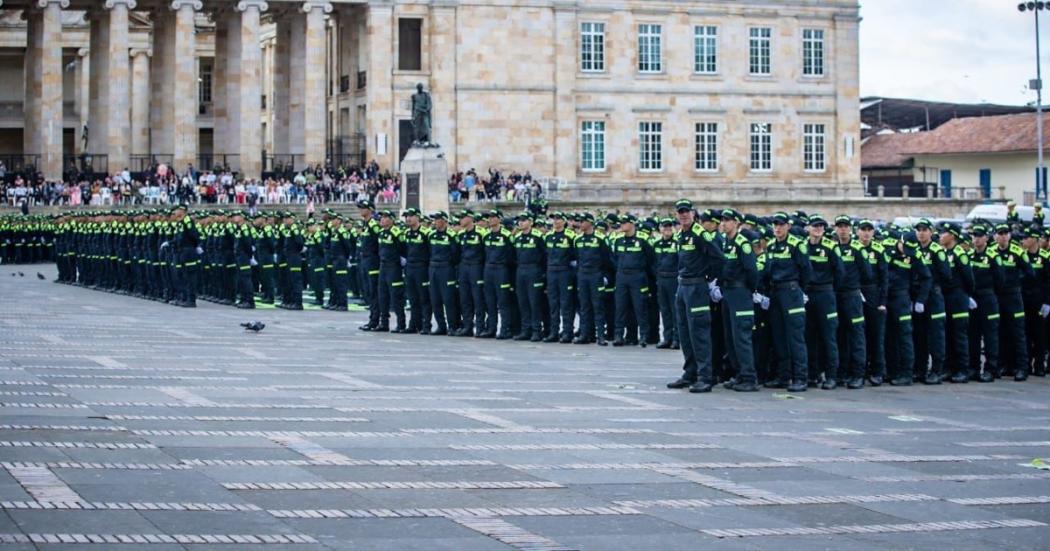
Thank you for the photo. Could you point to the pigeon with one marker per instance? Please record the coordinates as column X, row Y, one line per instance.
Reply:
column 253, row 326
column 20, row 274
column 40, row 276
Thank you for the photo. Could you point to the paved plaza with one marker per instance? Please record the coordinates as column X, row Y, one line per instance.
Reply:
column 125, row 421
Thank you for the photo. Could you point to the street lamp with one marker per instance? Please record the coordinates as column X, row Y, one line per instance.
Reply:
column 1037, row 84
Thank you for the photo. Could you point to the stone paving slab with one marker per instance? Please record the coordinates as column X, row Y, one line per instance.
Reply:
column 126, row 422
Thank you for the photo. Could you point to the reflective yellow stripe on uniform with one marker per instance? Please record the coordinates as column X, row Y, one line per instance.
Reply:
column 698, row 309
column 937, row 316
column 960, row 315
column 794, row 311
column 745, row 313
column 904, row 318
column 857, row 320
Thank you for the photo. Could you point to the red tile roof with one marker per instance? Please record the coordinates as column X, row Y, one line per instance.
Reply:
column 1001, row 134
column 887, row 150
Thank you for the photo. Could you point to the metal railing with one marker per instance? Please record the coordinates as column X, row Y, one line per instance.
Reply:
column 90, row 165
column 218, row 162
column 282, row 165
column 149, row 162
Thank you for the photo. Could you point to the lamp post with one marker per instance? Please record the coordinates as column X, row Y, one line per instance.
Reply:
column 1040, row 180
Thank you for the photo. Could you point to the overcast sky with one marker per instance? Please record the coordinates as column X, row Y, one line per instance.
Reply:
column 965, row 51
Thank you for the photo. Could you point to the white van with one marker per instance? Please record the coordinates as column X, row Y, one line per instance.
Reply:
column 996, row 213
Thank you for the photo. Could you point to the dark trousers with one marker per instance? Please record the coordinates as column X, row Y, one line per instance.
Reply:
column 1013, row 344
column 590, row 287
column 244, row 283
column 417, row 288
column 370, row 287
column 498, row 298
column 666, row 288
column 442, row 289
column 471, row 283
column 929, row 336
column 188, row 275
column 528, row 283
column 738, row 320
column 340, row 278
column 788, row 320
column 294, row 290
column 632, row 294
column 984, row 330
column 957, row 332
column 900, row 351
column 1036, row 334
column 693, row 316
column 875, row 338
column 560, row 287
column 852, row 340
column 318, row 279
column 762, row 346
column 391, row 295
column 822, row 322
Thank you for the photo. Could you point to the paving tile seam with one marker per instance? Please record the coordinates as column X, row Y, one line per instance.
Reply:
column 109, row 539
column 920, row 527
column 773, row 500
column 404, row 485
column 514, row 536
column 95, row 445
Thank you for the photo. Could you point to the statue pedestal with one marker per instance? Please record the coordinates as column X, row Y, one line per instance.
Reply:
column 424, row 180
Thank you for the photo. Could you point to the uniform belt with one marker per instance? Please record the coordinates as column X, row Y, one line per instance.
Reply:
column 691, row 280
column 847, row 291
column 667, row 274
column 785, row 285
column 869, row 288
column 813, row 288
column 557, row 268
column 734, row 286
column 986, row 292
column 629, row 271
column 438, row 264
column 1010, row 291
column 495, row 263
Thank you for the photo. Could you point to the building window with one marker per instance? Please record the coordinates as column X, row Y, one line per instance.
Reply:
column 650, row 50
column 761, row 147
column 592, row 47
column 410, row 44
column 707, row 146
column 814, row 152
column 813, row 52
column 650, row 140
column 705, row 49
column 204, row 82
column 760, row 48
column 592, row 141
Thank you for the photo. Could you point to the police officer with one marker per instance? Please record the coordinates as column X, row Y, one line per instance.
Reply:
column 265, row 242
column 187, row 241
column 958, row 302
column 417, row 271
column 391, row 277
column 530, row 258
column 822, row 310
column 984, row 320
column 593, row 260
column 1015, row 266
column 243, row 251
column 444, row 257
column 368, row 269
column 739, row 281
column 470, row 240
column 560, row 280
column 499, row 254
column 874, row 289
column 851, row 331
column 666, row 250
column 787, row 271
column 316, row 262
column 700, row 260
column 341, row 249
column 634, row 259
column 1035, row 293
column 930, row 317
column 294, row 244
column 908, row 288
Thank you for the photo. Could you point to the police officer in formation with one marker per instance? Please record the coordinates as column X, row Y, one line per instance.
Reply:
column 797, row 307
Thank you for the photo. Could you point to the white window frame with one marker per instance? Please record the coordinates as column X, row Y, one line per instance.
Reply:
column 814, row 53
column 706, row 147
column 650, row 45
column 592, row 133
column 814, row 147
column 650, row 146
column 705, row 49
column 760, row 151
column 760, row 51
column 592, row 47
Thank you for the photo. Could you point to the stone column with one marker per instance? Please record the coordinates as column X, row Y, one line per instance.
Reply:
column 313, row 85
column 81, row 99
column 281, row 86
column 140, row 102
column 115, row 83
column 96, row 67
column 297, row 75
column 249, row 79
column 43, row 85
column 175, row 83
column 565, row 153
column 379, row 95
column 443, row 79
column 162, row 99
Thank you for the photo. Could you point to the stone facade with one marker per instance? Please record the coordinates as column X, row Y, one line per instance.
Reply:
column 318, row 79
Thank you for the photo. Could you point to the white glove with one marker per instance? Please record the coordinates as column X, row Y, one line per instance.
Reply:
column 756, row 297
column 605, row 282
column 716, row 294
column 805, row 298
column 765, row 303
column 253, row 248
column 200, row 250
column 349, row 264
column 404, row 262
column 1044, row 310
column 862, row 299
column 164, row 244
column 919, row 308
column 253, row 262
column 713, row 283
column 573, row 264
column 973, row 304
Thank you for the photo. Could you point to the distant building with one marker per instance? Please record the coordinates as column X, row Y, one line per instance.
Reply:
column 967, row 157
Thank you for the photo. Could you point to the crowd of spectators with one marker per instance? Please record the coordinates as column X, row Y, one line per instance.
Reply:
column 467, row 186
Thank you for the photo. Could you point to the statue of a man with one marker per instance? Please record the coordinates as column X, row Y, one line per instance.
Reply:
column 421, row 106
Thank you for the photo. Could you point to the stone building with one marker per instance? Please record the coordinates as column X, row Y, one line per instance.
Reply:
column 672, row 93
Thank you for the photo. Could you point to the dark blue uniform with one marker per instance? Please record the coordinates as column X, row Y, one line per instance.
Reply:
column 592, row 257
column 786, row 272
column 700, row 260
column 561, row 283
column 852, row 339
column 738, row 282
column 822, row 311
column 634, row 259
column 530, row 258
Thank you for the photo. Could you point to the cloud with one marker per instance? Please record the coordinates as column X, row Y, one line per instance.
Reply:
column 966, row 51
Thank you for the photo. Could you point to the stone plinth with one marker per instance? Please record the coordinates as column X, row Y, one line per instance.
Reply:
column 424, row 180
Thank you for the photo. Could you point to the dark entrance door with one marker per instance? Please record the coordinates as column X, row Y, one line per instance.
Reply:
column 404, row 138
